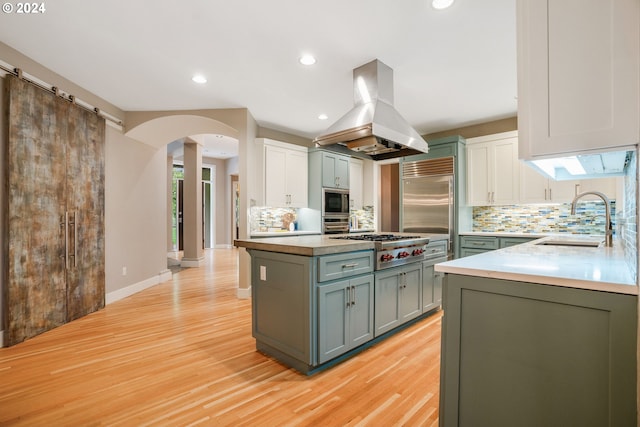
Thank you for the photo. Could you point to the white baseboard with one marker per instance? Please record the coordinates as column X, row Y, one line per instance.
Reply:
column 244, row 293
column 224, row 246
column 165, row 275
column 191, row 262
column 114, row 296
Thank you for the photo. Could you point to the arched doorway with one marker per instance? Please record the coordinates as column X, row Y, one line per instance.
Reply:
column 196, row 223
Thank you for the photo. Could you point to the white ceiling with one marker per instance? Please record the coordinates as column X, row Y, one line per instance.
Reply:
column 452, row 68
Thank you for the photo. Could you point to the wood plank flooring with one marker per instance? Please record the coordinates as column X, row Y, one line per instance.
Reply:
column 181, row 354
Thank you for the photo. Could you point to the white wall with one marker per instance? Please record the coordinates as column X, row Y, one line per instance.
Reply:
column 135, row 213
column 222, row 204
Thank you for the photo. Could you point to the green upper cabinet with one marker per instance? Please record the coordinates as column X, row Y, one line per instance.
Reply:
column 335, row 170
column 578, row 85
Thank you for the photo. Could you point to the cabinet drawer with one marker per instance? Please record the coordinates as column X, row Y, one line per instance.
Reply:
column 475, row 242
column 468, row 252
column 436, row 250
column 506, row 242
column 339, row 266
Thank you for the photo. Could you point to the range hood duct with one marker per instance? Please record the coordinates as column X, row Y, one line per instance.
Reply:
column 373, row 126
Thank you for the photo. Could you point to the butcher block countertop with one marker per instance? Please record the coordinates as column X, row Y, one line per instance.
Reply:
column 317, row 244
column 592, row 268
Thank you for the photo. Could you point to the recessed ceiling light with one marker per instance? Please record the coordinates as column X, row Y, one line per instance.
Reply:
column 323, row 117
column 199, row 78
column 307, row 60
column 441, row 4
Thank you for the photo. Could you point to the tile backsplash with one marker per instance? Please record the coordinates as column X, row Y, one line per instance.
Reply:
column 265, row 219
column 627, row 224
column 270, row 219
column 589, row 218
column 362, row 219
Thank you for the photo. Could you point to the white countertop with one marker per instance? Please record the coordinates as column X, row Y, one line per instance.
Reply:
column 600, row 269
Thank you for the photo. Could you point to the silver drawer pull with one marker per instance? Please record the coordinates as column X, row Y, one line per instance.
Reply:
column 349, row 265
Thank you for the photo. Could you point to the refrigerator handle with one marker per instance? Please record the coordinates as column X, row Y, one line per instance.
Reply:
column 451, row 213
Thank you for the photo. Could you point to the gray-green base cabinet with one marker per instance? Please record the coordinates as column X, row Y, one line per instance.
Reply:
column 345, row 316
column 472, row 245
column 431, row 279
column 309, row 310
column 398, row 297
column 526, row 354
column 283, row 310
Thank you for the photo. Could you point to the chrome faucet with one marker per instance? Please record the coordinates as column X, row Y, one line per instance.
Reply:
column 608, row 234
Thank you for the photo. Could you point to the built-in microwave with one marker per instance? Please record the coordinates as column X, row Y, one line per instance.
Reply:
column 335, row 202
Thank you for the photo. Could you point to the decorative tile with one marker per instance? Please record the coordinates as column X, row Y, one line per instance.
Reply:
column 363, row 218
column 271, row 219
column 589, row 218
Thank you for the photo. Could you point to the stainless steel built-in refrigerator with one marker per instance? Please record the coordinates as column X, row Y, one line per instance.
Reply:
column 428, row 197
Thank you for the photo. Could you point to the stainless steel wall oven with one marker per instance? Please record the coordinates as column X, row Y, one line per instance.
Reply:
column 335, row 210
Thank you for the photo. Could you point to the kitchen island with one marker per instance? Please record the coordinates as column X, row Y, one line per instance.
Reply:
column 542, row 333
column 317, row 300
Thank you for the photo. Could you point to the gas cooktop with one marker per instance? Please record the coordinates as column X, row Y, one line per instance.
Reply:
column 392, row 249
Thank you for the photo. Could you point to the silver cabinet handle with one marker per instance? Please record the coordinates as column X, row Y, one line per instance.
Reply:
column 64, row 226
column 75, row 238
column 66, row 240
column 550, row 196
column 353, row 295
column 355, row 264
column 347, row 296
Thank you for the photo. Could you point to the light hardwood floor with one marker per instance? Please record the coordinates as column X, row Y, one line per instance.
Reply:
column 181, row 353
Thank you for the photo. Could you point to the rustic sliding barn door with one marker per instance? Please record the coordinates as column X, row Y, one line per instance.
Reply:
column 55, row 178
column 85, row 205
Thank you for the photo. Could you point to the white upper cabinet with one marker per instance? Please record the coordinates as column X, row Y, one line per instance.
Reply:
column 356, row 183
column 537, row 188
column 607, row 186
column 493, row 170
column 578, row 67
column 285, row 174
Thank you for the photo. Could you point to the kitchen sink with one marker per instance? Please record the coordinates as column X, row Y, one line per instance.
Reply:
column 590, row 243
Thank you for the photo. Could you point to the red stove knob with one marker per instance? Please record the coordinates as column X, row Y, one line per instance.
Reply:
column 417, row 252
column 386, row 257
column 403, row 254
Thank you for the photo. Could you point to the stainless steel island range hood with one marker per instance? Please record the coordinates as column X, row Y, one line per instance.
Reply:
column 373, row 126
